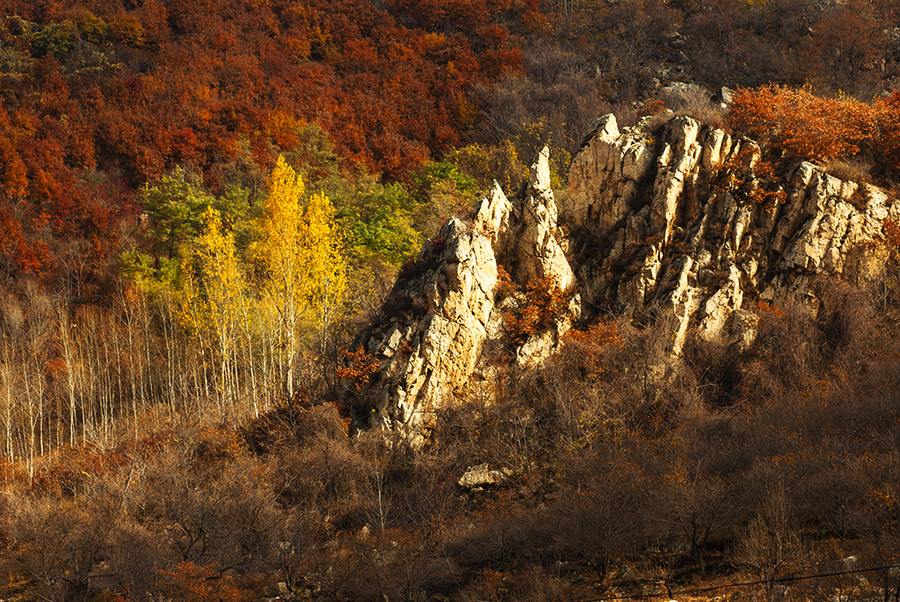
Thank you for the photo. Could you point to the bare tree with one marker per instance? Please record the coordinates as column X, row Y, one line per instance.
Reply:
column 771, row 548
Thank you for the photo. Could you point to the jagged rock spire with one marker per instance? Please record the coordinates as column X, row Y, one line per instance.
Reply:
column 675, row 219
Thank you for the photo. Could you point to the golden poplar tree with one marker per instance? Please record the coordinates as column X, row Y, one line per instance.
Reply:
column 223, row 284
column 210, row 299
column 305, row 271
column 327, row 269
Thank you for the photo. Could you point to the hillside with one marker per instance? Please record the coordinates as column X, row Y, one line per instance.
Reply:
column 449, row 300
column 103, row 96
column 730, row 430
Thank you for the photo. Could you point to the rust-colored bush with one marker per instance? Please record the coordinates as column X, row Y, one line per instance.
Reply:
column 822, row 129
column 589, row 345
column 358, row 369
column 802, row 123
column 190, row 582
column 544, row 302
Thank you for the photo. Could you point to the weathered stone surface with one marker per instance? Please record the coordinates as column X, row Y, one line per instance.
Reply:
column 493, row 217
column 671, row 218
column 441, row 315
column 482, row 476
column 606, row 174
column 538, row 253
column 429, row 347
column 704, row 234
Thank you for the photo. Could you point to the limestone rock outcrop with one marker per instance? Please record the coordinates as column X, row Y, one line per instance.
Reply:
column 538, row 254
column 442, row 310
column 435, row 325
column 691, row 220
column 668, row 217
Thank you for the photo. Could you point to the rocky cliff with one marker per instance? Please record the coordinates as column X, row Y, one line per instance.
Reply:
column 667, row 218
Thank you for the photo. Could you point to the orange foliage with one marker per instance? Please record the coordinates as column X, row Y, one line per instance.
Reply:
column 821, row 129
column 359, row 368
column 161, row 84
column 802, row 123
column 74, row 468
column 766, row 308
column 752, row 181
column 543, row 303
column 590, row 344
column 601, row 334
column 505, row 285
column 652, row 106
column 192, row 583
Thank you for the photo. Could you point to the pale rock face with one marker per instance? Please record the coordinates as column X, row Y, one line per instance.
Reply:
column 605, row 174
column 538, row 252
column 676, row 163
column 493, row 217
column 719, row 307
column 672, row 219
column 428, row 353
column 539, row 255
column 693, row 240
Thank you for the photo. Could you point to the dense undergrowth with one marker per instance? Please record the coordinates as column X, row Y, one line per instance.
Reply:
column 752, row 465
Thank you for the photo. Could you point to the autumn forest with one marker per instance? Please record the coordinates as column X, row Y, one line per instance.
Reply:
column 203, row 201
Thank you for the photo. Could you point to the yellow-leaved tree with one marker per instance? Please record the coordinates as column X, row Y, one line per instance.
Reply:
column 305, row 272
column 224, row 284
column 210, row 296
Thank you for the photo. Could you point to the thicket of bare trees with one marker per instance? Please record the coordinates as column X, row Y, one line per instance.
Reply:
column 758, row 465
column 93, row 375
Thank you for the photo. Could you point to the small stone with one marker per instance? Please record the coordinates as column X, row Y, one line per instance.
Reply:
column 726, row 94
column 478, row 477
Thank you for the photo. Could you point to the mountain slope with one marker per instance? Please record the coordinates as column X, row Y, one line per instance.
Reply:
column 668, row 220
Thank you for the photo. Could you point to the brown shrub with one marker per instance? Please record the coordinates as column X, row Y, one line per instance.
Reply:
column 544, row 302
